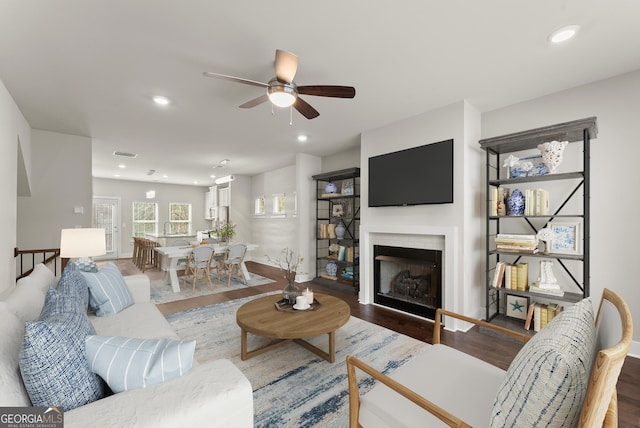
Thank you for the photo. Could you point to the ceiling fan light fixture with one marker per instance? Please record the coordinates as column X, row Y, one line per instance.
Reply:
column 282, row 94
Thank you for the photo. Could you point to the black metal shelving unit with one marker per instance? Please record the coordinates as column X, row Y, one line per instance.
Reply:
column 348, row 268
column 497, row 148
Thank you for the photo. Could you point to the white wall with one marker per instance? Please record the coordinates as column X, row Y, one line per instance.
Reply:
column 615, row 200
column 14, row 130
column 273, row 233
column 306, row 167
column 349, row 158
column 459, row 121
column 61, row 181
column 131, row 191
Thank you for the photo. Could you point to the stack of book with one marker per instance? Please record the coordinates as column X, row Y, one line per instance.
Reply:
column 541, row 314
column 347, row 273
column 553, row 289
column 517, row 243
column 511, row 276
column 536, row 202
column 497, row 201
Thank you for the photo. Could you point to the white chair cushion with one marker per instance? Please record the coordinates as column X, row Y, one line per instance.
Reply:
column 441, row 375
column 547, row 381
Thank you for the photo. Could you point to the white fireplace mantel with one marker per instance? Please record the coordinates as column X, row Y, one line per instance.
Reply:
column 412, row 236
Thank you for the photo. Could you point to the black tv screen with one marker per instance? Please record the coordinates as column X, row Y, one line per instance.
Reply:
column 416, row 176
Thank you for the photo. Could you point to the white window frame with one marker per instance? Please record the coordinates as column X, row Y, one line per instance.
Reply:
column 137, row 221
column 187, row 221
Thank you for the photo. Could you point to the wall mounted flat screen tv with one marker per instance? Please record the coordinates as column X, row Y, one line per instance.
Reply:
column 417, row 176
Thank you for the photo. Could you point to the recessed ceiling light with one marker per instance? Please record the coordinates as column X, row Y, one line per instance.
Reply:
column 116, row 175
column 563, row 34
column 212, row 176
column 165, row 176
column 195, row 182
column 302, row 138
column 122, row 166
column 224, row 161
column 159, row 99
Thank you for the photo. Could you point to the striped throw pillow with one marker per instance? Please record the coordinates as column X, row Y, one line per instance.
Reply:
column 127, row 363
column 547, row 381
column 108, row 292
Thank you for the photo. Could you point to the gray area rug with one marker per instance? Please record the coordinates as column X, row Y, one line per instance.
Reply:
column 161, row 291
column 292, row 387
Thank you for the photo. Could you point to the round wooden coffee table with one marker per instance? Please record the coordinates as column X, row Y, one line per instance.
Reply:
column 260, row 317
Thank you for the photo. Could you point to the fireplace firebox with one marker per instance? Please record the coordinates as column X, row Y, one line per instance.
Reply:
column 408, row 279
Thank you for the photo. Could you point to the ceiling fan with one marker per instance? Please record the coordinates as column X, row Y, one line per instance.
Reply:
column 282, row 91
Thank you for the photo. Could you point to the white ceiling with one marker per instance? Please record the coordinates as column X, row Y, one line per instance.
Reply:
column 90, row 68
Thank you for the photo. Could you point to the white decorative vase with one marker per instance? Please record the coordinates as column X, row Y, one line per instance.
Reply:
column 552, row 153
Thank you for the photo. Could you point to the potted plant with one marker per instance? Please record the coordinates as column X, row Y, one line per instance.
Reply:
column 225, row 230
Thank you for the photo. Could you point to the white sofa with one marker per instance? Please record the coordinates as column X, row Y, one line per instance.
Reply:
column 212, row 394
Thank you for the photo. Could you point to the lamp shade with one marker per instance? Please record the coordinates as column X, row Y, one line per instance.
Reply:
column 78, row 242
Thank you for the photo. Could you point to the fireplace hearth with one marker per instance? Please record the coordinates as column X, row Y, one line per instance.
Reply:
column 408, row 279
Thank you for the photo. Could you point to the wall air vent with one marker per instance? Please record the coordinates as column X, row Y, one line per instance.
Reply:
column 151, row 172
column 125, row 154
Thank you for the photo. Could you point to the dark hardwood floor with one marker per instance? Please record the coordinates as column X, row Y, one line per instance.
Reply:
column 486, row 347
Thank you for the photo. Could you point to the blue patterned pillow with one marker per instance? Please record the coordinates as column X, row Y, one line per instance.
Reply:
column 108, row 292
column 547, row 381
column 53, row 362
column 73, row 284
column 57, row 303
column 126, row 363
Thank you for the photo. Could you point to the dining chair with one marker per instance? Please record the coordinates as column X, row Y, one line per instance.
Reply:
column 217, row 260
column 233, row 262
column 198, row 263
column 181, row 263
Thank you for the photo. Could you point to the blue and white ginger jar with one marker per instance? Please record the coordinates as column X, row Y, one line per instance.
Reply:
column 515, row 203
column 332, row 268
column 330, row 188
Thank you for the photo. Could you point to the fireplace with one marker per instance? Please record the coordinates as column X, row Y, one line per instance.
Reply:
column 408, row 279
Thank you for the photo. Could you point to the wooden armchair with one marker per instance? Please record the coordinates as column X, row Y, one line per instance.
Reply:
column 468, row 401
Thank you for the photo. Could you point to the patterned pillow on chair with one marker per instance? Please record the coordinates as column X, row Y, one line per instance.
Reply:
column 547, row 381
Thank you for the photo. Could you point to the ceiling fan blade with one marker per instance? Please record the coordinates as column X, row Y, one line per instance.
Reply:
column 286, row 66
column 305, row 109
column 328, row 91
column 256, row 101
column 235, row 79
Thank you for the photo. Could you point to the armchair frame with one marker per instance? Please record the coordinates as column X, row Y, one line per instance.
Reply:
column 600, row 407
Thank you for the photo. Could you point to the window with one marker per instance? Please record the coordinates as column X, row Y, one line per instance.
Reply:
column 145, row 218
column 180, row 218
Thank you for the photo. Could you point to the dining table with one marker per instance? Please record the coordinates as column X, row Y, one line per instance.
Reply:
column 171, row 257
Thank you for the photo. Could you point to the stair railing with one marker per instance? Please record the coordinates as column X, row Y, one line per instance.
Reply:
column 45, row 256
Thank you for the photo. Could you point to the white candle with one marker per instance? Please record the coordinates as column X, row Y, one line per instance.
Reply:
column 309, row 295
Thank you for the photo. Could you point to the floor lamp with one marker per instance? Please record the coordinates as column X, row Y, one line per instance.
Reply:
column 82, row 244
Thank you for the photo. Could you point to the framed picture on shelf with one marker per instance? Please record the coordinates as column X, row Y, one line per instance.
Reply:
column 567, row 237
column 347, row 187
column 517, row 306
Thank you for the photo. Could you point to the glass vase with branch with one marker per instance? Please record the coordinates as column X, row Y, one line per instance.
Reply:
column 289, row 263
